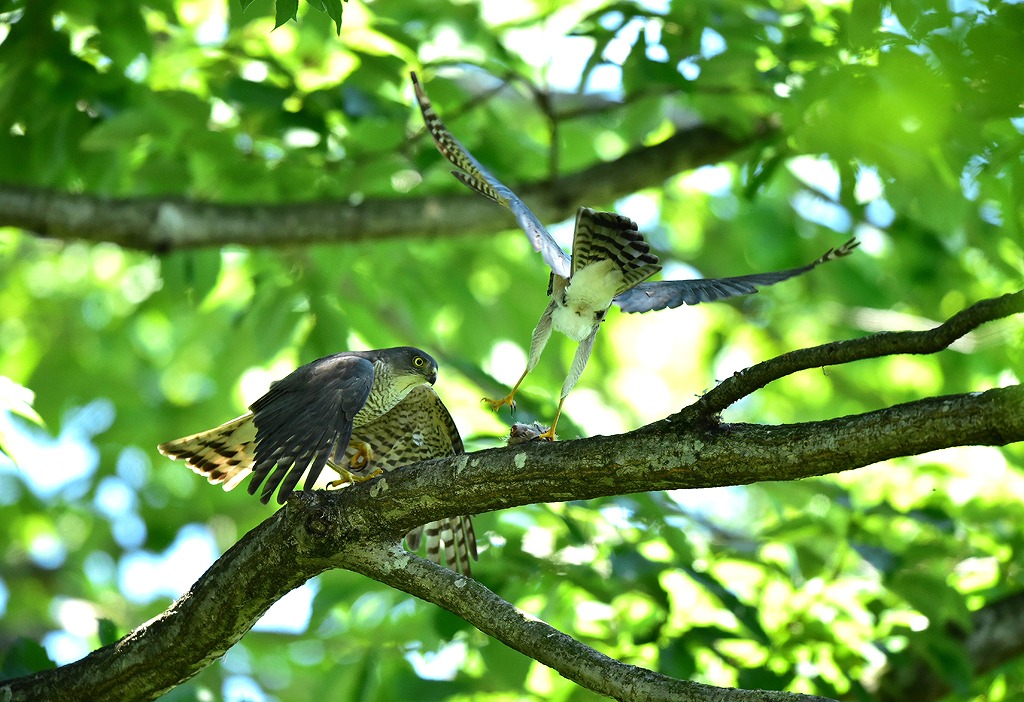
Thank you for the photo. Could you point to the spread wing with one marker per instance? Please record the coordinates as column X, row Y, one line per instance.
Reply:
column 416, row 429
column 303, row 419
column 475, row 176
column 662, row 294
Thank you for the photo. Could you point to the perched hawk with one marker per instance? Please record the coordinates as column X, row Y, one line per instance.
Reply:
column 357, row 413
column 610, row 262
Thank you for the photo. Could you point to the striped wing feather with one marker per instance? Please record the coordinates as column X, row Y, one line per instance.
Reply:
column 663, row 294
column 472, row 173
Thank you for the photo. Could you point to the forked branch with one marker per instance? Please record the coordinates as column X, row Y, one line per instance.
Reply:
column 359, row 528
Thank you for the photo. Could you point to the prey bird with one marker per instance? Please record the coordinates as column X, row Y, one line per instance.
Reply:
column 609, row 265
column 357, row 413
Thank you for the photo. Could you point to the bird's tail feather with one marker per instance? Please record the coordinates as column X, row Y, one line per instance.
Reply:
column 454, row 537
column 223, row 454
column 606, row 236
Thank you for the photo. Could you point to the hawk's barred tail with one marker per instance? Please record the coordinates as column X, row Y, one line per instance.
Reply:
column 454, row 536
column 601, row 236
column 223, row 454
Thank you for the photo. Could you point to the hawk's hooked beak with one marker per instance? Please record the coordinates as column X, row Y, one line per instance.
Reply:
column 432, row 376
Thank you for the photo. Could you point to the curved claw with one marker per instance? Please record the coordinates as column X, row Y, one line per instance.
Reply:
column 498, row 404
column 358, row 463
column 548, row 435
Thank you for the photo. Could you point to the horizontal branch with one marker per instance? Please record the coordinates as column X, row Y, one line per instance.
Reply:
column 672, row 455
column 163, row 224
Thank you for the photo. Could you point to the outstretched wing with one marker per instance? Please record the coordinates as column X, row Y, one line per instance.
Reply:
column 416, row 429
column 662, row 294
column 303, row 419
column 475, row 176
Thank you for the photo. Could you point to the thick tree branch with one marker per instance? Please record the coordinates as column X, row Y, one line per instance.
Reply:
column 669, row 455
column 360, row 527
column 163, row 224
column 319, row 530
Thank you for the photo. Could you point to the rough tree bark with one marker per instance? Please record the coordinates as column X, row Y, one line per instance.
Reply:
column 164, row 224
column 360, row 528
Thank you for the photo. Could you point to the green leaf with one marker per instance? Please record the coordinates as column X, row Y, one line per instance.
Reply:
column 119, row 132
column 949, row 658
column 24, row 657
column 333, row 9
column 865, row 19
column 931, row 595
column 284, row 11
column 122, row 33
column 107, row 631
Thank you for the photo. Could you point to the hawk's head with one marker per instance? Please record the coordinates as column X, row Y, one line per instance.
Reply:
column 409, row 364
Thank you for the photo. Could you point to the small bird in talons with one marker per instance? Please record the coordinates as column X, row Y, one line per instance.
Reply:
column 609, row 265
column 520, row 433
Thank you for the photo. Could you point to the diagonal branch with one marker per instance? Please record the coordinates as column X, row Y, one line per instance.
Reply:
column 191, row 634
column 495, row 616
column 163, row 224
column 751, row 379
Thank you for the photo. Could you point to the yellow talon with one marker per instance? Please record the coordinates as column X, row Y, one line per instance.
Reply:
column 348, row 477
column 359, row 461
column 498, row 404
column 364, row 478
column 548, row 435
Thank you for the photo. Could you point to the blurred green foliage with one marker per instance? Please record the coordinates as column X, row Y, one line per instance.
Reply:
column 899, row 122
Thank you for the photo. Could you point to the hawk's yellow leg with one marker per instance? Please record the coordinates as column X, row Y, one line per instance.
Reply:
column 510, row 398
column 358, row 462
column 549, row 435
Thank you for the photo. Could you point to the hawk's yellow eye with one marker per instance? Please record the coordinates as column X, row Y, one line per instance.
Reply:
column 418, row 362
